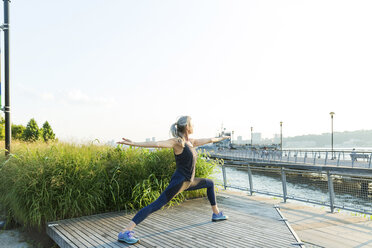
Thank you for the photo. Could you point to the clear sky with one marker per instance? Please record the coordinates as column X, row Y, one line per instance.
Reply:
column 111, row 69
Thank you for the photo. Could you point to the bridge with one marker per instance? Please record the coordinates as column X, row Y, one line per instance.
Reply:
column 338, row 158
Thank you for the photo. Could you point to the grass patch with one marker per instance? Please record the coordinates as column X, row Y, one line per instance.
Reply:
column 42, row 182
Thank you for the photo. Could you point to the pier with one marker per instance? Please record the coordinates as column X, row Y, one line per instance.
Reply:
column 250, row 224
column 254, row 221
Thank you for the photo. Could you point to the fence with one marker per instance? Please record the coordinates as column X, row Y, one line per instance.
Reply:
column 328, row 188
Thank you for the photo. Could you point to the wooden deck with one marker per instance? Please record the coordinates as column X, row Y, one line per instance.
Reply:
column 250, row 224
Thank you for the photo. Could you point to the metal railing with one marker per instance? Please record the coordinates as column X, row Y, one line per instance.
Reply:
column 351, row 192
column 345, row 158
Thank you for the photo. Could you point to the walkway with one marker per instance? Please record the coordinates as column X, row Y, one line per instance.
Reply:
column 319, row 228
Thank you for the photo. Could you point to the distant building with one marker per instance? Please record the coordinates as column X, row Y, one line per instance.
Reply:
column 239, row 140
column 256, row 137
column 148, row 139
column 153, row 139
column 276, row 138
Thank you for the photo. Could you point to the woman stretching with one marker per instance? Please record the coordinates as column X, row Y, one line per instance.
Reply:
column 183, row 178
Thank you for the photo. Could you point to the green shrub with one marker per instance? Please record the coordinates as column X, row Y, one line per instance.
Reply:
column 17, row 131
column 32, row 131
column 45, row 182
column 47, row 132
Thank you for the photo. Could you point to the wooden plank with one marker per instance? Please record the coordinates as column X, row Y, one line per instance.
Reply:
column 209, row 232
column 110, row 223
column 189, row 231
column 259, row 229
column 265, row 224
column 79, row 234
column 95, row 225
column 148, row 228
column 90, row 236
column 190, row 223
column 62, row 239
column 117, row 220
column 100, row 237
column 228, row 234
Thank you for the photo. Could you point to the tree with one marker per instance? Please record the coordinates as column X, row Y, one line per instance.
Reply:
column 32, row 131
column 17, row 131
column 48, row 132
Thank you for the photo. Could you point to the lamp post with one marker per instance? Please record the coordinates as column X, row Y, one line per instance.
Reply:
column 281, row 136
column 332, row 114
column 251, row 137
column 5, row 29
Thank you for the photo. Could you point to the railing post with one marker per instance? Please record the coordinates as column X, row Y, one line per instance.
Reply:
column 284, row 184
column 325, row 162
column 281, row 156
column 331, row 191
column 250, row 179
column 305, row 157
column 289, row 154
column 224, row 175
column 338, row 160
column 314, row 158
column 296, row 156
column 370, row 157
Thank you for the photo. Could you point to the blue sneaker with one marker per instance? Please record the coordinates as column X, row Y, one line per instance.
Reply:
column 127, row 237
column 219, row 216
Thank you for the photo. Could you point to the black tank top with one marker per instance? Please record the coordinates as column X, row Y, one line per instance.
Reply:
column 186, row 161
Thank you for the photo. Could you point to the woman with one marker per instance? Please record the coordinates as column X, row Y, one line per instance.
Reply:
column 184, row 177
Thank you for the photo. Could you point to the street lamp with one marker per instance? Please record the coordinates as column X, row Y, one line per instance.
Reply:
column 251, row 136
column 281, row 136
column 332, row 114
column 5, row 29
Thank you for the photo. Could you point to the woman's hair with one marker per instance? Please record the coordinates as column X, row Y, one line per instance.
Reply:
column 178, row 129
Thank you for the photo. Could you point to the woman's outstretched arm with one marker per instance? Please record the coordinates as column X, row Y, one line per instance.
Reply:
column 200, row 142
column 151, row 144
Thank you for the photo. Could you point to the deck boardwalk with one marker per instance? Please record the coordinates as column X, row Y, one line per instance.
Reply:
column 250, row 224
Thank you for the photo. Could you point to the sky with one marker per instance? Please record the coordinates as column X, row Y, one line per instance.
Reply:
column 98, row 69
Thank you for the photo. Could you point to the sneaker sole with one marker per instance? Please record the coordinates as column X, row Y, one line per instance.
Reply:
column 219, row 219
column 129, row 243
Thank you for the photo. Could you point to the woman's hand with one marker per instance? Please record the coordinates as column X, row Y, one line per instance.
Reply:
column 126, row 142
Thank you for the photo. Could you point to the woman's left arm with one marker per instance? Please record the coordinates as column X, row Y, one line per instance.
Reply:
column 200, row 142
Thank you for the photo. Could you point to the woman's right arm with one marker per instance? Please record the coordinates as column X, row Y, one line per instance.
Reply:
column 171, row 143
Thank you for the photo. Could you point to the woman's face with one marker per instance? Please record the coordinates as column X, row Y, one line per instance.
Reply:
column 190, row 127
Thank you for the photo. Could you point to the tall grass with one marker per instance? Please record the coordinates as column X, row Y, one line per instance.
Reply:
column 45, row 182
